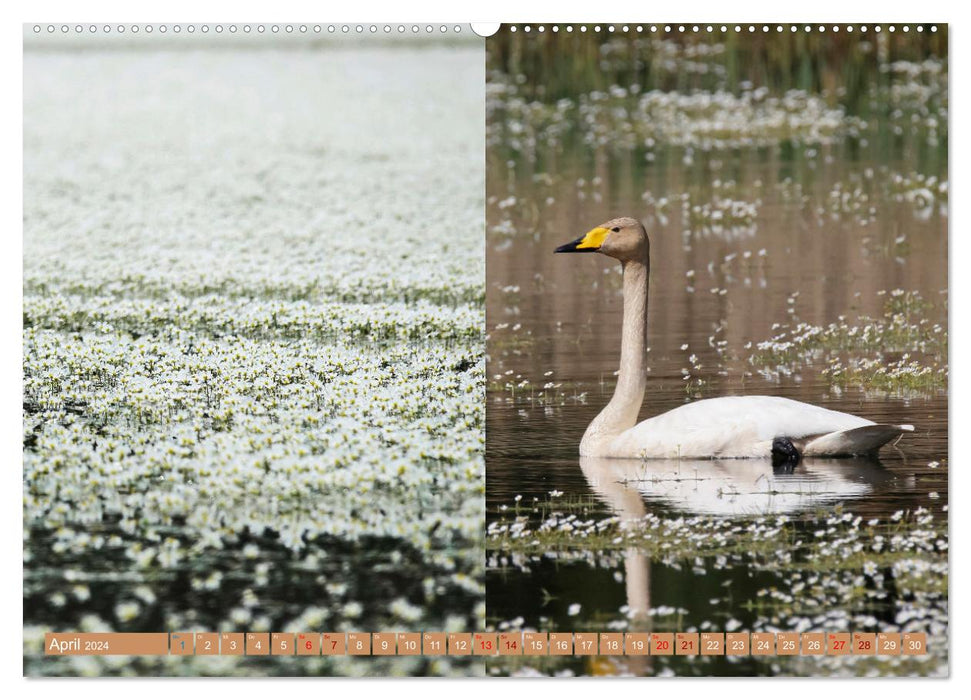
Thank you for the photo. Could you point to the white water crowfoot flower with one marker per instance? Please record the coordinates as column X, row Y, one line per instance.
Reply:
column 846, row 566
column 902, row 352
column 627, row 120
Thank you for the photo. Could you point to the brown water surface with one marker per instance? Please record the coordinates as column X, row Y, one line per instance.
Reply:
column 568, row 313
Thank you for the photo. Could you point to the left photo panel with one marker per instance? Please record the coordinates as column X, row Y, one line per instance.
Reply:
column 253, row 346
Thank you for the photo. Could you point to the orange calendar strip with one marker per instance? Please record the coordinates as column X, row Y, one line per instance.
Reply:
column 485, row 644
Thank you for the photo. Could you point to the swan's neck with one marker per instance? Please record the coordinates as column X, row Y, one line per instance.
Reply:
column 621, row 413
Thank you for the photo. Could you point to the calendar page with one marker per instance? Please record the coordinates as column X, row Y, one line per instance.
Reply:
column 478, row 350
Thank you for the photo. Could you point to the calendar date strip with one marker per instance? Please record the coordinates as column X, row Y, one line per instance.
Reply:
column 484, row 644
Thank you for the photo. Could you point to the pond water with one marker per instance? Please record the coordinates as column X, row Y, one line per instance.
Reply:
column 569, row 308
column 810, row 234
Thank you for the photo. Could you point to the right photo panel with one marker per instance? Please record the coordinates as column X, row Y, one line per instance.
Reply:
column 717, row 349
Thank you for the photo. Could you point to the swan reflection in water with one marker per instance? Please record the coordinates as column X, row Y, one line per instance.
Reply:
column 729, row 487
column 713, row 487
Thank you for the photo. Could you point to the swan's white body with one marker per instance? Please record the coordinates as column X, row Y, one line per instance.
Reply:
column 731, row 426
column 728, row 427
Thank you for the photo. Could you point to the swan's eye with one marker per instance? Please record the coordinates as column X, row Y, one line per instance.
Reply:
column 616, row 229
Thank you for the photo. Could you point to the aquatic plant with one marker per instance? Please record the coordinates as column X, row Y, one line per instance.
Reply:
column 251, row 401
column 902, row 351
column 625, row 118
column 836, row 571
column 721, row 215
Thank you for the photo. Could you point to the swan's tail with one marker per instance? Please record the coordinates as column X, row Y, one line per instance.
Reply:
column 859, row 441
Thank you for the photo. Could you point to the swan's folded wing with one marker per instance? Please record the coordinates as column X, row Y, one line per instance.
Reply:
column 858, row 441
column 730, row 426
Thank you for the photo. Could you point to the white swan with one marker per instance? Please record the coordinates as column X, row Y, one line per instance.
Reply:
column 727, row 427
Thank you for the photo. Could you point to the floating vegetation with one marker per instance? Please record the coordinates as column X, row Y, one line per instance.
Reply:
column 835, row 572
column 720, row 216
column 849, row 200
column 623, row 118
column 662, row 57
column 903, row 376
column 707, row 92
column 518, row 390
column 922, row 192
column 916, row 99
column 859, row 196
column 558, row 527
column 900, row 352
column 253, row 358
column 255, row 318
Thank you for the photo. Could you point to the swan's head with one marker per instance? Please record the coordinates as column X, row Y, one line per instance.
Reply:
column 623, row 238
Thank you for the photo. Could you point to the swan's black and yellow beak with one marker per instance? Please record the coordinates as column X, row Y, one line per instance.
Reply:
column 590, row 242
